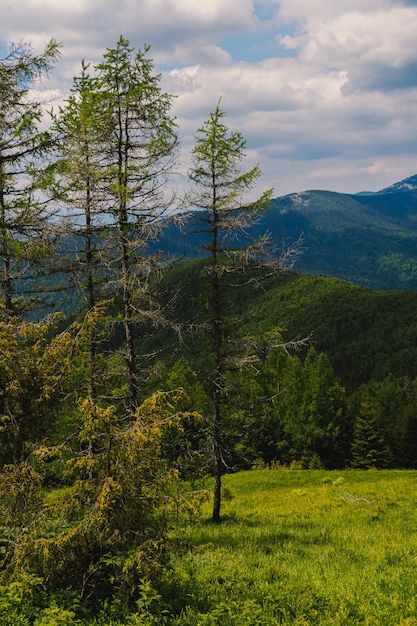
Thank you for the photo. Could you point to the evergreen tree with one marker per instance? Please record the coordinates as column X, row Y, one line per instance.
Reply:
column 220, row 186
column 291, row 409
column 369, row 448
column 34, row 360
column 315, row 421
column 105, row 538
column 78, row 185
column 140, row 152
column 23, row 219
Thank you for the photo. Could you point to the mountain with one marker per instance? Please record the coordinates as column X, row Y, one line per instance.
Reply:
column 408, row 184
column 369, row 239
column 367, row 334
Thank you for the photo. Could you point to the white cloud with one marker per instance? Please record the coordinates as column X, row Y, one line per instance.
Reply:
column 376, row 49
column 334, row 96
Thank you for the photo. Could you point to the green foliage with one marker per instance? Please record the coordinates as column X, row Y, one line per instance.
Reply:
column 54, row 616
column 185, row 442
column 25, row 602
column 140, row 149
column 219, row 188
column 25, row 227
column 21, row 600
column 369, row 448
column 21, row 498
column 76, row 180
column 285, row 408
column 218, row 154
column 349, row 324
column 33, row 364
column 104, row 537
column 104, row 462
column 290, row 409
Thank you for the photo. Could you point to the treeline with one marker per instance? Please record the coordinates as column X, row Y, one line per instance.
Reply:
column 111, row 421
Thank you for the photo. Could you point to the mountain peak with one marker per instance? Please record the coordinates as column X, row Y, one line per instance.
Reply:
column 408, row 184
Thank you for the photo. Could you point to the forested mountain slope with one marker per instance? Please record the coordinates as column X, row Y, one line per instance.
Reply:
column 367, row 334
column 368, row 239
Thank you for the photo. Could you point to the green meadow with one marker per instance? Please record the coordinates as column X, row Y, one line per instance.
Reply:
column 302, row 547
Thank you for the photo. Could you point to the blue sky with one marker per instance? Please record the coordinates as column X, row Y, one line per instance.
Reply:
column 324, row 92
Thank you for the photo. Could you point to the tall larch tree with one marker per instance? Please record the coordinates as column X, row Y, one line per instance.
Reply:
column 140, row 153
column 78, row 185
column 23, row 145
column 220, row 189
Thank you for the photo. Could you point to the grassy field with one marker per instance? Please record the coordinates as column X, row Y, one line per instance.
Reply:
column 303, row 547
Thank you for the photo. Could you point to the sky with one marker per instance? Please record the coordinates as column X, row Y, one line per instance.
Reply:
column 325, row 93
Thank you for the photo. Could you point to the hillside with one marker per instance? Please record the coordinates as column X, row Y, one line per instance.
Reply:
column 369, row 239
column 367, row 334
column 89, row 490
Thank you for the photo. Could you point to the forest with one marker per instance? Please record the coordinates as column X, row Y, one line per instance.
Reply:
column 132, row 382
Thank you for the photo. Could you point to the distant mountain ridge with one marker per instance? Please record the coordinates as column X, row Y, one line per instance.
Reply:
column 408, row 184
column 369, row 239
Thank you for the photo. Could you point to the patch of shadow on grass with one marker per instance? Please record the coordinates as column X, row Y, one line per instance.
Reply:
column 232, row 520
column 234, row 532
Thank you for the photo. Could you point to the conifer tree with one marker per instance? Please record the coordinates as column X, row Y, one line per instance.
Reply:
column 23, row 219
column 78, row 185
column 221, row 186
column 313, row 409
column 369, row 448
column 34, row 360
column 140, row 152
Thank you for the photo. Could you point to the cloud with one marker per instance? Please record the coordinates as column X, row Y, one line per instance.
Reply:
column 97, row 24
column 318, row 88
column 376, row 49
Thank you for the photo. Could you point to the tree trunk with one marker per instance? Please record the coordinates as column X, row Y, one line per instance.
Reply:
column 92, row 374
column 6, row 281
column 128, row 326
column 217, row 379
column 218, row 461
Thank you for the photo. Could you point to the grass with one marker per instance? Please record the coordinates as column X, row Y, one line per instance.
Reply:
column 303, row 547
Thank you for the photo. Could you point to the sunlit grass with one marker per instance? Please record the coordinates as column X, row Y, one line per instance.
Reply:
column 304, row 547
